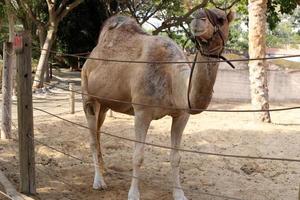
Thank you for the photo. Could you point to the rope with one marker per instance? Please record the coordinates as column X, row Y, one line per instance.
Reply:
column 183, row 109
column 167, row 62
column 171, row 148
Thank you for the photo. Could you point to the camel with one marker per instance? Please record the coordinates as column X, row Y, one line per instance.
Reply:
column 163, row 84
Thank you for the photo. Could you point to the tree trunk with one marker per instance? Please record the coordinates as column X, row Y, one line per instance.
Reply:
column 42, row 35
column 257, row 49
column 11, row 27
column 5, row 132
column 43, row 61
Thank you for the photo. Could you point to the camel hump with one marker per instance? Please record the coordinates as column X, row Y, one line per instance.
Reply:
column 122, row 23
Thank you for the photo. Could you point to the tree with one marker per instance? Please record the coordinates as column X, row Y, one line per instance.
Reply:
column 47, row 26
column 257, row 49
column 277, row 7
column 11, row 27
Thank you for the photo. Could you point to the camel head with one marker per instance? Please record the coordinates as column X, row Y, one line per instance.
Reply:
column 210, row 28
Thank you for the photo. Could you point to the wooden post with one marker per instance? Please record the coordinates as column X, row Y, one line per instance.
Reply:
column 47, row 74
column 22, row 45
column 72, row 98
column 6, row 91
column 50, row 73
column 111, row 113
column 78, row 63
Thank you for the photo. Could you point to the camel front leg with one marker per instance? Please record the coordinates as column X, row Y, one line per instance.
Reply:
column 178, row 125
column 95, row 118
column 142, row 121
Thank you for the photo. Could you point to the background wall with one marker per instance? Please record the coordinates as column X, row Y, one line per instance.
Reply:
column 235, row 85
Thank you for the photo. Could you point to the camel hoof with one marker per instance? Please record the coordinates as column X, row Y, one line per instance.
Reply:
column 133, row 198
column 99, row 185
column 180, row 198
column 179, row 195
column 133, row 195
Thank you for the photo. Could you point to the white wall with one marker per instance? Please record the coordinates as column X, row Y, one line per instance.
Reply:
column 235, row 85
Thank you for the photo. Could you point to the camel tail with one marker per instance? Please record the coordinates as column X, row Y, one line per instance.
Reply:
column 84, row 87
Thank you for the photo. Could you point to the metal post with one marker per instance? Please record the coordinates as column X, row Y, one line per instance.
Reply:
column 22, row 46
column 72, row 98
column 6, row 91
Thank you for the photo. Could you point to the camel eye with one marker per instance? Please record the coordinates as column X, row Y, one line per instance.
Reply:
column 221, row 20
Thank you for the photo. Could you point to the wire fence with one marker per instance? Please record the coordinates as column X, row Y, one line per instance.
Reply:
column 79, row 191
column 176, row 108
column 123, row 174
column 164, row 107
column 150, row 144
column 76, row 55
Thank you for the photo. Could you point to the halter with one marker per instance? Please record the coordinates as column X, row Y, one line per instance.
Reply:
column 213, row 21
column 209, row 14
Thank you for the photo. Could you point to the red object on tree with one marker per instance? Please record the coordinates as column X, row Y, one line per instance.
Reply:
column 18, row 43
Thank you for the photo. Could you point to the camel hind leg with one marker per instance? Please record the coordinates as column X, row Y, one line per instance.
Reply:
column 95, row 115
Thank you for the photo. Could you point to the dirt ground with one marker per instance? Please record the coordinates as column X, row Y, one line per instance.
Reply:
column 60, row 177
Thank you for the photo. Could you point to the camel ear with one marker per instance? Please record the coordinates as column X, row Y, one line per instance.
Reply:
column 118, row 21
column 113, row 25
column 230, row 16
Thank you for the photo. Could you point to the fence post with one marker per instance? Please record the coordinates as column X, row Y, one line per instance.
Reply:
column 78, row 63
column 111, row 113
column 6, row 91
column 47, row 74
column 22, row 45
column 50, row 72
column 72, row 98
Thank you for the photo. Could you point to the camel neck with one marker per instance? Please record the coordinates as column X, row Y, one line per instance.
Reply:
column 202, row 82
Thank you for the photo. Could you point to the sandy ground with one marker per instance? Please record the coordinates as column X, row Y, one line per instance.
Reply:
column 60, row 177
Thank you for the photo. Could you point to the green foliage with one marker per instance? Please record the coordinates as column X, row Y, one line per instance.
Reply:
column 277, row 7
column 282, row 27
column 2, row 11
column 3, row 26
column 238, row 39
column 286, row 31
column 3, row 34
column 238, row 32
column 181, row 39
